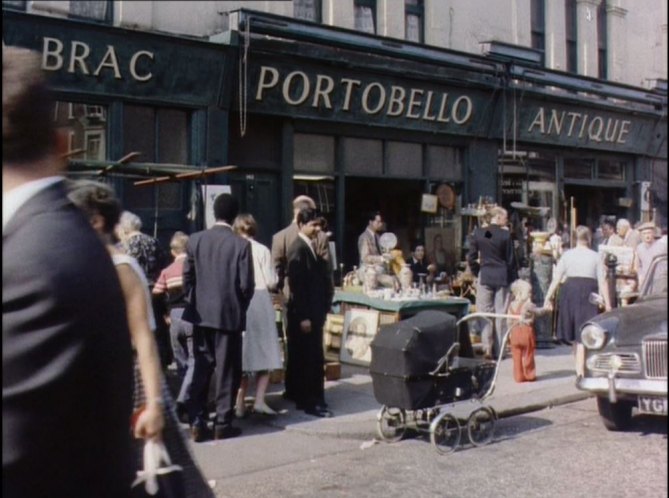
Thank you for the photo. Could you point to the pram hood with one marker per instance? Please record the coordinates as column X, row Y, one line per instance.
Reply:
column 413, row 347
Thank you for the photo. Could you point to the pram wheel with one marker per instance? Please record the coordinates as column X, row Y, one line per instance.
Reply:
column 481, row 426
column 391, row 424
column 445, row 433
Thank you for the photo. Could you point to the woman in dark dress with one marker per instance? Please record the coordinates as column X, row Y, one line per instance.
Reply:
column 420, row 265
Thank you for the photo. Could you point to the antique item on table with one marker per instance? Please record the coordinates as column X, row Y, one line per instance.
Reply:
column 388, row 241
column 406, row 278
column 370, row 279
column 360, row 327
column 428, row 203
column 446, row 196
column 540, row 244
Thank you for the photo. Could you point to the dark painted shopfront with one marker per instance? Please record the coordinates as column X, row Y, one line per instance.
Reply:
column 363, row 123
column 122, row 91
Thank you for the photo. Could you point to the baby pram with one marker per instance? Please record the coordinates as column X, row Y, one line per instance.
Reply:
column 418, row 377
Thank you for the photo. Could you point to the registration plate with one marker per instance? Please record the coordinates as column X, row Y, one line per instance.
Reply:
column 653, row 405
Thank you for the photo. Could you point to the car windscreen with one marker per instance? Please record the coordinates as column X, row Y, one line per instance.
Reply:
column 656, row 282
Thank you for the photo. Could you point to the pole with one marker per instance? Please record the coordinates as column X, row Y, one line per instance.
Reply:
column 611, row 261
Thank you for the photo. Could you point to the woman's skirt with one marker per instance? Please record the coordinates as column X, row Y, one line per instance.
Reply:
column 574, row 307
column 260, row 349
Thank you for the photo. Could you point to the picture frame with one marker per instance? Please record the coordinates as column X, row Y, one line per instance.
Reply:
column 429, row 203
column 360, row 327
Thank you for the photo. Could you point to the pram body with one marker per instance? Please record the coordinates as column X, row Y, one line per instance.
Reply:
column 417, row 373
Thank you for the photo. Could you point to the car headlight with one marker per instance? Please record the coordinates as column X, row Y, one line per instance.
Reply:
column 593, row 336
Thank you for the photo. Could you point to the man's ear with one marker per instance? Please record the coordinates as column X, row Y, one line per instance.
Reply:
column 61, row 146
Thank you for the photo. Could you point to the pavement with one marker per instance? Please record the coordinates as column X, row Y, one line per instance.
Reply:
column 352, row 401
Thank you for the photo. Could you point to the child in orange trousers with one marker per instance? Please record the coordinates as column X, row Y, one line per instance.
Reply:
column 521, row 338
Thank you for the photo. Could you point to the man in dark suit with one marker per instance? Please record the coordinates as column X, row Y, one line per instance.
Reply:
column 66, row 357
column 218, row 282
column 309, row 301
column 281, row 243
column 492, row 258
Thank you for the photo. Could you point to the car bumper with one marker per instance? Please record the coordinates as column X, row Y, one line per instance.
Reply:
column 605, row 385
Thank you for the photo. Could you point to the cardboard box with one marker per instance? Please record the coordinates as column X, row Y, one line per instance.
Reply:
column 332, row 370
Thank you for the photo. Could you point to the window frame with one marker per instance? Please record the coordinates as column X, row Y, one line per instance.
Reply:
column 108, row 19
column 371, row 4
column 571, row 63
column 602, row 42
column 318, row 11
column 417, row 10
column 538, row 30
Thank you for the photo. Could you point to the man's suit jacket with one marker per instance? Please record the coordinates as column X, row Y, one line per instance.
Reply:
column 491, row 256
column 218, row 279
column 281, row 243
column 367, row 246
column 310, row 290
column 66, row 356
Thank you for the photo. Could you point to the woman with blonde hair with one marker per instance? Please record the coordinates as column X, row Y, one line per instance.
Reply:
column 580, row 271
column 260, row 345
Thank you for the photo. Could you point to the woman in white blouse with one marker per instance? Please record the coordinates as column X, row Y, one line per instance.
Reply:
column 261, row 352
column 580, row 271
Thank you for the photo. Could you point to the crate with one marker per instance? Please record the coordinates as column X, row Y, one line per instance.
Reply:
column 332, row 370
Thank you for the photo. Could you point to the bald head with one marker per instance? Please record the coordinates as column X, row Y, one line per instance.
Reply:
column 622, row 227
column 302, row 202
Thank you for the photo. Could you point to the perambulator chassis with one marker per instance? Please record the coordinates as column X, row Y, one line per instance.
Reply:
column 444, row 426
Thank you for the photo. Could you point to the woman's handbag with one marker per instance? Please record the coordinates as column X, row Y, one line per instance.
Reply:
column 159, row 478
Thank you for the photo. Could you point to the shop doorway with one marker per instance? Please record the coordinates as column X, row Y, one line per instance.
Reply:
column 592, row 202
column 397, row 200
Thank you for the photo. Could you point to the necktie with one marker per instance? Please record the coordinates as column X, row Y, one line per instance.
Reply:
column 376, row 242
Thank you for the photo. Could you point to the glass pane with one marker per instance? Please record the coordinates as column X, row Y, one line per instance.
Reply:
column 611, row 170
column 444, row 163
column 364, row 19
column 90, row 9
column 579, row 169
column 139, row 132
column 14, row 4
column 87, row 126
column 363, row 156
column 413, row 28
column 172, row 136
column 314, row 153
column 309, row 10
column 405, row 159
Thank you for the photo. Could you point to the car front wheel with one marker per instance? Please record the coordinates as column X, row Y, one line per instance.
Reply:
column 615, row 416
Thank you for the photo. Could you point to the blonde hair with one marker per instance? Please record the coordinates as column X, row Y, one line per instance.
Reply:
column 583, row 234
column 245, row 224
column 521, row 288
column 178, row 242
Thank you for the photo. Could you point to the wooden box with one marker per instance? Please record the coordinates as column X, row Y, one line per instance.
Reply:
column 332, row 370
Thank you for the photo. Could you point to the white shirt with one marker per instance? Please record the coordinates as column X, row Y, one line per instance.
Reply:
column 263, row 270
column 309, row 243
column 17, row 197
column 579, row 262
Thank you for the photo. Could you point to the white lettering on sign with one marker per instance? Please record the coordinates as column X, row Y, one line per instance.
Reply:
column 79, row 60
column 298, row 88
column 596, row 128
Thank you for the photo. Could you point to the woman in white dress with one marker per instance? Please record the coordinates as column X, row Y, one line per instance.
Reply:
column 261, row 352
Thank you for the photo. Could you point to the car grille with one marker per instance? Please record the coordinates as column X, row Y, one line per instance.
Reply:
column 655, row 359
column 630, row 363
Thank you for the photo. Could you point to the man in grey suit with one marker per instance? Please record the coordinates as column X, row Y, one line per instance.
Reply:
column 219, row 284
column 66, row 357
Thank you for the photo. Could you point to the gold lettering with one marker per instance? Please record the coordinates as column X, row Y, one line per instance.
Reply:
column 397, row 95
column 305, row 88
column 610, row 134
column 596, row 135
column 49, row 52
column 585, row 120
column 365, row 98
column 456, row 107
column 112, row 63
column 539, row 120
column 413, row 103
column 262, row 85
column 573, row 116
column 80, row 58
column 442, row 109
column 624, row 130
column 320, row 92
column 133, row 65
column 554, row 122
column 428, row 105
column 348, row 83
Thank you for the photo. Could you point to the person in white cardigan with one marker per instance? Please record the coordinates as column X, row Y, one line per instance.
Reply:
column 260, row 350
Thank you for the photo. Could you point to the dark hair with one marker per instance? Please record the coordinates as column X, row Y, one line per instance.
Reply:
column 28, row 131
column 245, row 223
column 226, row 208
column 95, row 198
column 306, row 215
column 371, row 215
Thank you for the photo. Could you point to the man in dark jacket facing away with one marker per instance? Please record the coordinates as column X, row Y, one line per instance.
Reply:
column 491, row 257
column 308, row 304
column 219, row 284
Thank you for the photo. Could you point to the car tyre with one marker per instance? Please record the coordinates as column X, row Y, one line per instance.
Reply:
column 615, row 416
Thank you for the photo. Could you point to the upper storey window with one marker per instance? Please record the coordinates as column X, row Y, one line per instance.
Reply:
column 365, row 16
column 413, row 20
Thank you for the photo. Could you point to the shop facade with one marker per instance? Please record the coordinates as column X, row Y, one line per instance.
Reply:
column 121, row 91
column 362, row 124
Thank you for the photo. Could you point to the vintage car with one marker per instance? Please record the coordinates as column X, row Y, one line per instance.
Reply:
column 622, row 358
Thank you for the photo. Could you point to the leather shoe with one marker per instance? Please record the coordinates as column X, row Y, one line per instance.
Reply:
column 200, row 433
column 226, row 432
column 318, row 411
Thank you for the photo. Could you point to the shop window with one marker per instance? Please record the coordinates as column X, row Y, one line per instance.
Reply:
column 404, row 159
column 570, row 34
column 578, row 169
column 14, row 4
column 444, row 163
column 100, row 10
column 309, row 10
column 363, row 156
column 313, row 153
column 538, row 26
column 161, row 136
column 365, row 16
column 413, row 20
column 610, row 170
column 86, row 130
column 602, row 34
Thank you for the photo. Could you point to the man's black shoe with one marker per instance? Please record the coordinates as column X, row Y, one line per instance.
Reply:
column 226, row 432
column 200, row 433
column 318, row 411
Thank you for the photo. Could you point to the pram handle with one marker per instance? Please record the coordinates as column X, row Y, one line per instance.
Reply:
column 488, row 317
column 444, row 359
